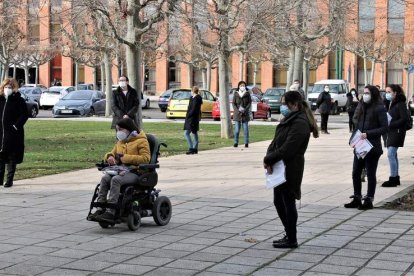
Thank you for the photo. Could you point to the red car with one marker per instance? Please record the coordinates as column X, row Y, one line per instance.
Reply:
column 260, row 109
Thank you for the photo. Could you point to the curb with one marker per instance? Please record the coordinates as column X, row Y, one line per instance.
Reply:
column 395, row 196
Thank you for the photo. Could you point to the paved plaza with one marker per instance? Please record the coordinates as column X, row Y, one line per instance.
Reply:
column 223, row 220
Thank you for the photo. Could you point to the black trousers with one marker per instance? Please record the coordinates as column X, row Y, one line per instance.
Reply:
column 370, row 162
column 285, row 204
column 350, row 122
column 324, row 121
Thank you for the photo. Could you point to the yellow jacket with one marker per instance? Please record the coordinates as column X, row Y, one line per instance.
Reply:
column 135, row 151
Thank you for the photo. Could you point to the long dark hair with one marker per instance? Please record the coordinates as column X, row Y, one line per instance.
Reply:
column 375, row 94
column 294, row 97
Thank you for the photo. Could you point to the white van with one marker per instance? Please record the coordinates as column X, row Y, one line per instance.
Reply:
column 338, row 90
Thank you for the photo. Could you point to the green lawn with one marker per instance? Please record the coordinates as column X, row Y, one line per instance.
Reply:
column 59, row 146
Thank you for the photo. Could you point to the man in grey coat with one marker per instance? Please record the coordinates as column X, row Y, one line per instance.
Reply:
column 125, row 102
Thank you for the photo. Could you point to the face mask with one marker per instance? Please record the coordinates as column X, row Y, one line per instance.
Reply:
column 326, row 89
column 121, row 136
column 123, row 84
column 366, row 98
column 242, row 88
column 353, row 93
column 7, row 92
column 388, row 96
column 284, row 110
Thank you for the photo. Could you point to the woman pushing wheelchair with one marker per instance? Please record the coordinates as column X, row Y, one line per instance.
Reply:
column 131, row 150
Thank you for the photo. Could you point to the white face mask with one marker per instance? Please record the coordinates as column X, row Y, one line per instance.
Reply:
column 7, row 92
column 326, row 89
column 366, row 98
column 353, row 93
column 123, row 84
column 121, row 136
column 242, row 88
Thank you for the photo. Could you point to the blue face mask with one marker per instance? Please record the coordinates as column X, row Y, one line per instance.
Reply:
column 388, row 96
column 284, row 110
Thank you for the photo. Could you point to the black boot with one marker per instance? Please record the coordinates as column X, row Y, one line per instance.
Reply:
column 190, row 151
column 398, row 180
column 355, row 203
column 2, row 169
column 367, row 204
column 195, row 151
column 392, row 182
column 11, row 169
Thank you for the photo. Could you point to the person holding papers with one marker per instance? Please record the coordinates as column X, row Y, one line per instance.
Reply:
column 371, row 120
column 396, row 133
column 289, row 145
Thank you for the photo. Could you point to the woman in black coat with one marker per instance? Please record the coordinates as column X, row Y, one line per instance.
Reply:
column 125, row 102
column 13, row 116
column 351, row 104
column 192, row 121
column 324, row 104
column 396, row 131
column 290, row 144
column 371, row 119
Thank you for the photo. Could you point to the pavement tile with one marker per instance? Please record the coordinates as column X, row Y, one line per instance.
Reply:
column 184, row 247
column 345, row 261
column 129, row 269
column 88, row 265
column 337, row 269
column 315, row 250
column 355, row 253
column 208, row 257
column 66, row 272
column 48, row 261
column 190, row 264
column 394, row 257
column 259, row 253
column 110, row 257
column 300, row 257
column 377, row 272
column 150, row 261
column 131, row 250
column 35, row 250
column 5, row 264
column 14, row 258
column 243, row 260
column 221, row 250
column 282, row 264
column 389, row 265
column 270, row 271
column 365, row 246
column 171, row 272
column 175, row 254
column 232, row 268
column 71, row 253
column 399, row 249
column 25, row 269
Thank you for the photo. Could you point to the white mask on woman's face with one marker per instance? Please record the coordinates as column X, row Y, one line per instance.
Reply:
column 7, row 92
column 326, row 89
column 121, row 136
column 366, row 98
column 242, row 88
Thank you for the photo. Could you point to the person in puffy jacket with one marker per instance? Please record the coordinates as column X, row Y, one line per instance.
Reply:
column 192, row 120
column 396, row 131
column 324, row 104
column 351, row 104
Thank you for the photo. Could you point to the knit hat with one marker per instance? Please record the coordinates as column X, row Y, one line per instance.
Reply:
column 128, row 124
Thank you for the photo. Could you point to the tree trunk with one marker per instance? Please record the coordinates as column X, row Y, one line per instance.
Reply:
column 37, row 75
column 26, row 74
column 254, row 74
column 241, row 69
column 382, row 74
column 76, row 75
column 1, row 72
column 103, row 77
column 190, row 75
column 108, row 86
column 204, row 77
column 208, row 76
column 94, row 78
column 133, row 60
column 365, row 71
column 298, row 64
column 305, row 77
column 143, row 77
column 372, row 72
column 120, row 65
column 14, row 70
column 226, row 127
column 290, row 69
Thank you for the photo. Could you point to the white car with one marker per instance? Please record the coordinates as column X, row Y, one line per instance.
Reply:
column 32, row 85
column 145, row 101
column 338, row 90
column 51, row 96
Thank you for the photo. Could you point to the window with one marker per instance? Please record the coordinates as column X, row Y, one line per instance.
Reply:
column 279, row 76
column 174, row 75
column 394, row 73
column 366, row 15
column 396, row 10
column 254, row 74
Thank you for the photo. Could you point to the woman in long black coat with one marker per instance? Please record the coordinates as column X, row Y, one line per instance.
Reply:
column 290, row 144
column 396, row 131
column 192, row 121
column 13, row 116
column 351, row 104
column 125, row 102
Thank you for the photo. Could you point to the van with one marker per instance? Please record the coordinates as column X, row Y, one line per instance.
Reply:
column 338, row 90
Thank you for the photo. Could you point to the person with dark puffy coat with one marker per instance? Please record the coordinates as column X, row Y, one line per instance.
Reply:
column 192, row 121
column 371, row 119
column 290, row 144
column 13, row 116
column 396, row 132
column 324, row 104
column 351, row 104
column 242, row 103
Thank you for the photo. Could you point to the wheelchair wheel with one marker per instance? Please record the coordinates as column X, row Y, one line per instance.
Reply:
column 162, row 210
column 104, row 225
column 134, row 221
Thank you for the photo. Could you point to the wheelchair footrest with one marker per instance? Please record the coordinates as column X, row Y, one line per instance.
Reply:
column 104, row 205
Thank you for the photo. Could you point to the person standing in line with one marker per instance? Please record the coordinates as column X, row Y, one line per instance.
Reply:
column 351, row 104
column 296, row 87
column 324, row 104
column 242, row 102
column 395, row 136
column 192, row 120
column 289, row 144
column 13, row 112
column 125, row 102
column 371, row 119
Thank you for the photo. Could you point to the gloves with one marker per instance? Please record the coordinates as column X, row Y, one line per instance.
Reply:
column 241, row 109
column 118, row 157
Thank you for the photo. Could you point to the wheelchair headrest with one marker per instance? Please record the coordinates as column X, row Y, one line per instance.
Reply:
column 154, row 148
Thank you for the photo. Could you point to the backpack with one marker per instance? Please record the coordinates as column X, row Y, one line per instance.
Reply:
column 409, row 123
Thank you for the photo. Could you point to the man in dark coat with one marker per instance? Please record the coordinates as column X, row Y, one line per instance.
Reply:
column 324, row 104
column 192, row 120
column 242, row 103
column 396, row 132
column 125, row 102
column 13, row 112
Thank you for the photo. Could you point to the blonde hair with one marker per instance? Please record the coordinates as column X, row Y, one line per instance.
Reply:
column 9, row 81
column 195, row 90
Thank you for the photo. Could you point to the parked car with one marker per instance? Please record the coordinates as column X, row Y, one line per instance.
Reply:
column 51, row 96
column 260, row 108
column 163, row 100
column 33, row 93
column 80, row 103
column 85, row 86
column 178, row 103
column 32, row 85
column 32, row 106
column 273, row 96
column 338, row 90
column 145, row 100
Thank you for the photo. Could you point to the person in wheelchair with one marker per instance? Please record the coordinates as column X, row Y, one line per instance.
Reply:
column 131, row 150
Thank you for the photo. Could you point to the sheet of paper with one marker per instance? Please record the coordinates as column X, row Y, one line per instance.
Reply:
column 361, row 146
column 277, row 177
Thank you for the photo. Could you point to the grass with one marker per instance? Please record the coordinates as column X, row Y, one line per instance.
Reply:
column 59, row 146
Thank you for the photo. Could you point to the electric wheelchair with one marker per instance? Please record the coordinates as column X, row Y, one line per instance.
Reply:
column 140, row 199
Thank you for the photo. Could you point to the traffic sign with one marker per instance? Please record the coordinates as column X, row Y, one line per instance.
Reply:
column 410, row 68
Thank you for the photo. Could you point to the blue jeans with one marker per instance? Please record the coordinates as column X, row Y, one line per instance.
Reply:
column 237, row 126
column 393, row 159
column 371, row 163
column 191, row 144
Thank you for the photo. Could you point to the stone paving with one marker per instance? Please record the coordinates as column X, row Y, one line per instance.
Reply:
column 223, row 221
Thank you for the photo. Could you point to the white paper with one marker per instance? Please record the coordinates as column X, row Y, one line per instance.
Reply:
column 389, row 118
column 277, row 177
column 361, row 146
